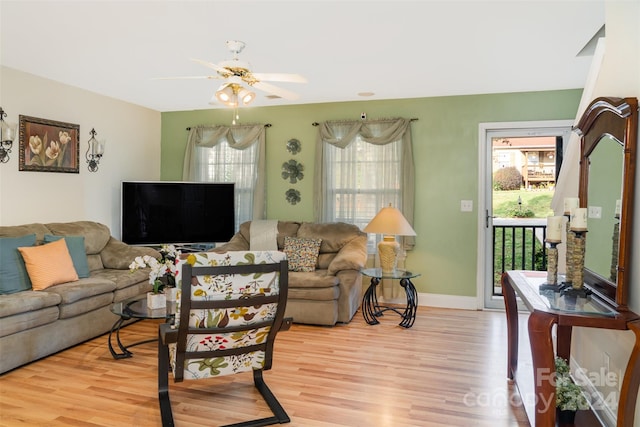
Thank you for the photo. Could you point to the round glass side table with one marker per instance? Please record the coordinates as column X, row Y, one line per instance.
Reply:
column 135, row 308
column 371, row 310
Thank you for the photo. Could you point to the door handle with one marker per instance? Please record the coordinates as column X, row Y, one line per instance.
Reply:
column 486, row 218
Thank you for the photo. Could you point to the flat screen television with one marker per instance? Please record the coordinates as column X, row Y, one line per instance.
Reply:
column 158, row 212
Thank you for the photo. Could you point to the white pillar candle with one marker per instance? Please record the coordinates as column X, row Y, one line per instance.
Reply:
column 579, row 219
column 570, row 203
column 554, row 229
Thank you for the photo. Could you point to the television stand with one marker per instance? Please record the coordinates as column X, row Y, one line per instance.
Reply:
column 195, row 247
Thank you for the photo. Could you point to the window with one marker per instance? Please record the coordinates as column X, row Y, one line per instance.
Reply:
column 222, row 163
column 362, row 178
column 230, row 154
column 364, row 167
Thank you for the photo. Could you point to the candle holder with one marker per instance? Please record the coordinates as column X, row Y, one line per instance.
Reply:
column 569, row 253
column 552, row 268
column 576, row 260
column 614, row 250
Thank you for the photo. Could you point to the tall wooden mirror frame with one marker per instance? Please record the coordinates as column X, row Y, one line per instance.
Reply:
column 617, row 118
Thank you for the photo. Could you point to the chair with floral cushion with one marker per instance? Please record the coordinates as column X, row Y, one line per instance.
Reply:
column 229, row 309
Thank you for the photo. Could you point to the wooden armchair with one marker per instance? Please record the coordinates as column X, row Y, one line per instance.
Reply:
column 230, row 308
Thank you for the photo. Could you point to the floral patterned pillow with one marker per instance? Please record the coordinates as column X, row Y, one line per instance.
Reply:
column 302, row 254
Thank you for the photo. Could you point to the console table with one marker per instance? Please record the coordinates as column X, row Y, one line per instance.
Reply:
column 371, row 310
column 550, row 308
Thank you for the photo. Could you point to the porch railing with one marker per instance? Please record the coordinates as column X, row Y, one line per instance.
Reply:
column 518, row 244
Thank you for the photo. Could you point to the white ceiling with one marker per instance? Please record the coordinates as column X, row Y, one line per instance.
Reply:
column 395, row 49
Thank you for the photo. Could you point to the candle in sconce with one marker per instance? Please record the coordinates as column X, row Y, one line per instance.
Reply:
column 571, row 203
column 554, row 229
column 618, row 208
column 579, row 219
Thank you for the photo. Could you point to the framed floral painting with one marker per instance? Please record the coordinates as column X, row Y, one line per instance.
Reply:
column 48, row 146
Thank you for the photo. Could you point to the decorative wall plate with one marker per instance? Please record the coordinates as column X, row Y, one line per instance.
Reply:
column 293, row 196
column 294, row 146
column 292, row 171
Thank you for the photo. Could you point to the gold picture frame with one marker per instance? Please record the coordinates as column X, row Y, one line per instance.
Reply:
column 48, row 145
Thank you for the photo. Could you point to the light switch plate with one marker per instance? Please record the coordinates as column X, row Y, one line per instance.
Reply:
column 466, row 205
column 595, row 212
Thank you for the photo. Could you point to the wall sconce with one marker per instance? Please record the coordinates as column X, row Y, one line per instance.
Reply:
column 7, row 135
column 94, row 152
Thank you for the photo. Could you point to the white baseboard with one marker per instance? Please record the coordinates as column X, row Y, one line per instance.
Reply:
column 441, row 301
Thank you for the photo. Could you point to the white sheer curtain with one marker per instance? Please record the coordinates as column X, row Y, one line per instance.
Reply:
column 230, row 154
column 362, row 167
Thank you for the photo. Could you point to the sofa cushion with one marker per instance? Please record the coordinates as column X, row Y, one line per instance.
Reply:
column 13, row 273
column 334, row 236
column 119, row 255
column 314, row 294
column 302, row 254
column 96, row 235
column 80, row 289
column 352, row 256
column 94, row 261
column 313, row 279
column 122, row 278
column 48, row 264
column 27, row 301
column 22, row 230
column 75, row 244
column 139, row 288
column 85, row 305
column 28, row 320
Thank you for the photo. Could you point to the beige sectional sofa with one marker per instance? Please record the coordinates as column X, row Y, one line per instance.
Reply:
column 333, row 291
column 35, row 324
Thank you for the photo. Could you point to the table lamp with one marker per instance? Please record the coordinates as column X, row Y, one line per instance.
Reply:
column 390, row 223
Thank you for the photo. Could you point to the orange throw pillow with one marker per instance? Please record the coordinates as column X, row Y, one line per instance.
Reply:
column 49, row 264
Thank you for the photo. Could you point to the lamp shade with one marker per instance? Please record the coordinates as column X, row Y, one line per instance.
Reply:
column 246, row 96
column 226, row 95
column 390, row 221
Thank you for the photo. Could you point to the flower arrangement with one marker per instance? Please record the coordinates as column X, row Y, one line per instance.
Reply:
column 163, row 271
column 569, row 396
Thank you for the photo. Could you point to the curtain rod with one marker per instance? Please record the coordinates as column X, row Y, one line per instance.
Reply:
column 318, row 124
column 268, row 125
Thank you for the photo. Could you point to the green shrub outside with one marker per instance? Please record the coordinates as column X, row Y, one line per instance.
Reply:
column 507, row 179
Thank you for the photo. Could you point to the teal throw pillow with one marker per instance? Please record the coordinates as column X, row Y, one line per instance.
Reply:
column 75, row 244
column 13, row 273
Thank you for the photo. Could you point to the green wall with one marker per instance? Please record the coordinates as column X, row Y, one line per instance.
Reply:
column 445, row 141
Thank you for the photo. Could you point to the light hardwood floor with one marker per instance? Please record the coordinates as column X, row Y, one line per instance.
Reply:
column 448, row 370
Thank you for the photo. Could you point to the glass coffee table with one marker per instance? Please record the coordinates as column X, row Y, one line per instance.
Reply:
column 135, row 308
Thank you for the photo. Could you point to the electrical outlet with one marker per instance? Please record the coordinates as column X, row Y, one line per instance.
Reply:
column 595, row 212
column 466, row 205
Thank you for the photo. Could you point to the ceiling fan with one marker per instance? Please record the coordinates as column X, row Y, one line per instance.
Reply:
column 237, row 73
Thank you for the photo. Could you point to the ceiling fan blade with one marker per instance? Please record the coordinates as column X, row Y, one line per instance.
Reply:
column 188, row 77
column 280, row 77
column 216, row 67
column 275, row 90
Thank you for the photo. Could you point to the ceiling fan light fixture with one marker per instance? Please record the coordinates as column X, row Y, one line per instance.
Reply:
column 246, row 96
column 225, row 93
